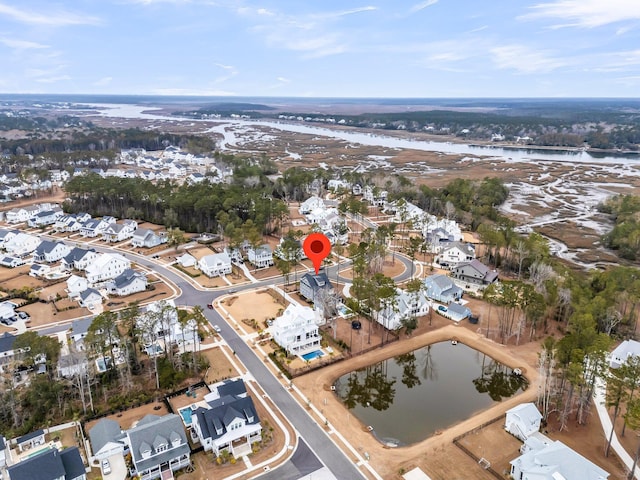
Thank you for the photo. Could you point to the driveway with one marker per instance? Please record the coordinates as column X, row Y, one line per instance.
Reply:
column 118, row 468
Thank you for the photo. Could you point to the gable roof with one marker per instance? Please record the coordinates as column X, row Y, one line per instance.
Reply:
column 222, row 412
column 44, row 466
column 6, row 342
column 103, row 432
column 81, row 326
column 72, row 462
column 29, row 436
column 319, row 281
column 127, row 277
column 142, row 436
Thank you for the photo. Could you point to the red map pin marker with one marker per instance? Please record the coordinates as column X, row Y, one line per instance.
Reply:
column 317, row 247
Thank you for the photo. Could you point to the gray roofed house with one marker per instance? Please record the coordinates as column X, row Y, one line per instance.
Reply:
column 523, row 420
column 457, row 312
column 79, row 329
column 624, row 351
column 49, row 251
column 311, row 285
column 90, row 298
column 555, row 461
column 475, row 272
column 442, row 288
column 73, row 364
column 78, row 258
column 50, row 465
column 147, row 238
column 156, row 445
column 106, row 438
column 230, row 421
column 128, row 282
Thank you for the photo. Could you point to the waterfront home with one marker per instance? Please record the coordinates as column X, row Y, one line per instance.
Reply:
column 474, row 272
column 441, row 288
column 296, row 330
column 454, row 253
column 523, row 420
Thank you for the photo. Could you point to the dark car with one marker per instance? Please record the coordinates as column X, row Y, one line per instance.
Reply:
column 356, row 325
column 209, row 306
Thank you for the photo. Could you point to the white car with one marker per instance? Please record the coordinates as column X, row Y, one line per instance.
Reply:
column 106, row 467
column 217, row 328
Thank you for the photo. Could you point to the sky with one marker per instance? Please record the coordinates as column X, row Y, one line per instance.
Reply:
column 322, row 48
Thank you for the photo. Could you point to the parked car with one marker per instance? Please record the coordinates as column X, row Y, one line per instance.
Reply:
column 24, row 316
column 106, row 467
column 209, row 306
column 217, row 328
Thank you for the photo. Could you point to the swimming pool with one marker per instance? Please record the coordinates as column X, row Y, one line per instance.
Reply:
column 186, row 413
column 307, row 357
column 38, row 452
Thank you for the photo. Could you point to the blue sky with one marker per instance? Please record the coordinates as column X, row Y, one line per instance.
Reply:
column 327, row 48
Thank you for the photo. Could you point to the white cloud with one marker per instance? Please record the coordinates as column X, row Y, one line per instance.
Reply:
column 283, row 80
column 58, row 78
column 21, row 44
column 524, row 60
column 586, row 13
column 230, row 72
column 54, row 19
column 422, row 5
column 103, row 82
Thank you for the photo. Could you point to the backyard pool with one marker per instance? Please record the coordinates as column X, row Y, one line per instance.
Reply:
column 410, row 397
column 186, row 413
column 307, row 357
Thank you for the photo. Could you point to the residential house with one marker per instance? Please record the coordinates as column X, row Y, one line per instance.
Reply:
column 72, row 365
column 523, row 420
column 71, row 222
column 6, row 235
column 39, row 270
column 474, row 272
column 186, row 260
column 79, row 330
column 260, row 257
column 313, row 287
column 405, row 306
column 337, row 184
column 374, row 196
column 311, row 204
column 11, row 262
column 94, row 227
column 157, row 444
column 195, row 177
column 90, row 299
column 554, row 461
column 118, row 232
column 229, row 422
column 76, row 285
column 3, row 448
column 177, row 170
column 146, row 238
column 437, row 231
column 21, row 214
column 7, row 352
column 22, row 244
column 52, row 464
column 7, row 310
column 296, row 330
column 127, row 283
column 455, row 253
column 30, row 440
column 58, row 176
column 45, row 218
column 79, row 258
column 624, row 351
column 442, row 289
column 50, row 252
column 106, row 266
column 107, row 439
column 215, row 265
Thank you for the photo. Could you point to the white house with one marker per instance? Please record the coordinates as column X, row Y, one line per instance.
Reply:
column 555, row 461
column 22, row 244
column 42, row 219
column 107, row 266
column 11, row 262
column 76, row 285
column 296, row 330
column 50, row 252
column 229, row 421
column 128, row 283
column 6, row 235
column 39, row 270
column 523, row 420
column 215, row 265
column 157, row 444
column 310, row 204
column 407, row 305
column 260, row 257
column 94, row 227
column 146, row 238
column 374, row 196
column 21, row 214
column 78, row 258
column 441, row 288
column 118, row 232
column 186, row 260
column 624, row 351
column 106, row 438
column 73, row 364
column 454, row 253
column 90, row 299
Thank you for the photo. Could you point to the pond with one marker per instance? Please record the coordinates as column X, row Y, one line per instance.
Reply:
column 410, row 397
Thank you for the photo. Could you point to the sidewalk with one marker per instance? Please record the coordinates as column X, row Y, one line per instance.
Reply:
column 600, row 401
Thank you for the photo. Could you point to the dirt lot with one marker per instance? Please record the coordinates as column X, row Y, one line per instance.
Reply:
column 260, row 306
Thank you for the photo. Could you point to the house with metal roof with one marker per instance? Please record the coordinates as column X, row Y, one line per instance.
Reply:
column 65, row 464
column 555, row 461
column 475, row 272
column 30, row 440
column 157, row 445
column 311, row 286
column 107, row 438
column 523, row 420
column 127, row 283
column 229, row 422
column 442, row 288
